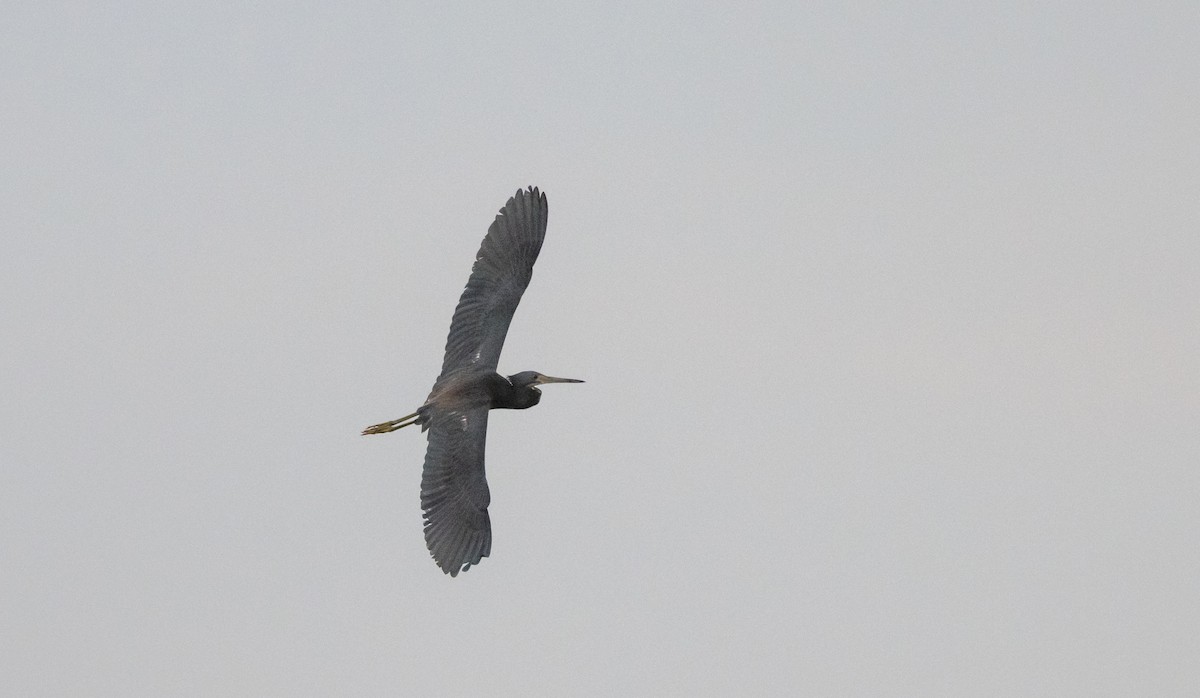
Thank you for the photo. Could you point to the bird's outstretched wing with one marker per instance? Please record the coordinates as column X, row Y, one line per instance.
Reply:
column 501, row 272
column 454, row 491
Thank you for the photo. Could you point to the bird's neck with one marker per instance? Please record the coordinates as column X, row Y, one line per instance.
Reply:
column 507, row 396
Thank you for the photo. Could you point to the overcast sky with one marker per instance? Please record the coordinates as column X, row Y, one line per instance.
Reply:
column 888, row 315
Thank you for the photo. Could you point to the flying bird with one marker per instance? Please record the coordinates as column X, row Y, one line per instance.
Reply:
column 454, row 490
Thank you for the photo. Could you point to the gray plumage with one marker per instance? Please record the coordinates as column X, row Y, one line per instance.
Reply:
column 454, row 490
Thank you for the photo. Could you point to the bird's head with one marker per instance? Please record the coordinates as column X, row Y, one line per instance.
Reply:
column 526, row 394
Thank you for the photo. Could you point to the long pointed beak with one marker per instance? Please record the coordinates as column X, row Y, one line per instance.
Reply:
column 551, row 379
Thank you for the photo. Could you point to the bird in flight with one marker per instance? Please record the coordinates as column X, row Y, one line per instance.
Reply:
column 454, row 490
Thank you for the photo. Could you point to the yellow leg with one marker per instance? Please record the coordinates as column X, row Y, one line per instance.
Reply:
column 392, row 425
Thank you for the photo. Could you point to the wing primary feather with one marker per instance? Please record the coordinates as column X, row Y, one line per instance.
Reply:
column 454, row 491
column 501, row 273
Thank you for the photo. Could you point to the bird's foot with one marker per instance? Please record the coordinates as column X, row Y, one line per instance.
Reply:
column 392, row 425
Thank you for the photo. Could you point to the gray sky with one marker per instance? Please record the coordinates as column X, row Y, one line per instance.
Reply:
column 888, row 315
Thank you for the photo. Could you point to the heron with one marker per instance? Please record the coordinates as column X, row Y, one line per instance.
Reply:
column 454, row 489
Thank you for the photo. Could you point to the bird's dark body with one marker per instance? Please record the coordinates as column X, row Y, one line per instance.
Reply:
column 454, row 489
column 468, row 390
